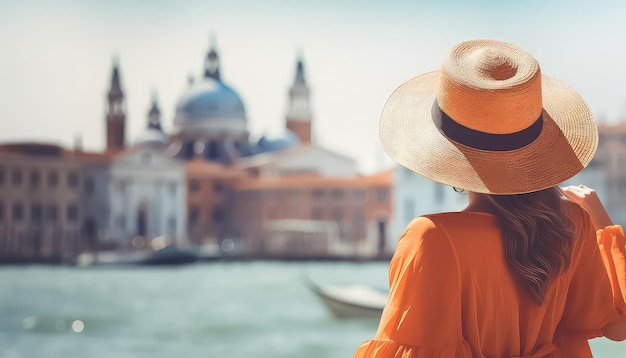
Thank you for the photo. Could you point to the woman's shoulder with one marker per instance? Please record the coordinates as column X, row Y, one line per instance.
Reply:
column 438, row 224
column 453, row 218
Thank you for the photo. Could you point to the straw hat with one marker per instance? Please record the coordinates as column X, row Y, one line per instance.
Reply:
column 489, row 122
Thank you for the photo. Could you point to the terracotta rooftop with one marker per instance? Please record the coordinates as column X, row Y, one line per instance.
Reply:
column 202, row 167
column 384, row 178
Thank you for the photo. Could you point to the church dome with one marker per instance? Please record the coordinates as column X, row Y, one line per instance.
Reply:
column 210, row 105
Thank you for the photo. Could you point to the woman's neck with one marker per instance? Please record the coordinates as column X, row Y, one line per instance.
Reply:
column 477, row 203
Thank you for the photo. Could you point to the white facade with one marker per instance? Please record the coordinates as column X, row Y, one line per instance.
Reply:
column 147, row 197
column 415, row 195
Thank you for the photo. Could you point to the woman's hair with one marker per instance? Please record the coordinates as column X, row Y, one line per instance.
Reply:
column 537, row 236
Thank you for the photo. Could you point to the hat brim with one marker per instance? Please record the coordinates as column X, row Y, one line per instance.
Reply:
column 566, row 145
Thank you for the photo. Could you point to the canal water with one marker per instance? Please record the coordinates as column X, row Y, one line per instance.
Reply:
column 255, row 309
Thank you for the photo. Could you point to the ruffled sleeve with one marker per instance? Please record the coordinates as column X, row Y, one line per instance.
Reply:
column 598, row 285
column 422, row 317
column 612, row 245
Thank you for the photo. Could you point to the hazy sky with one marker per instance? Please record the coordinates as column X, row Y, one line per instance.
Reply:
column 56, row 57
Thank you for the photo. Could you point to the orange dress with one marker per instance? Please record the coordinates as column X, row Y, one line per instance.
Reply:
column 451, row 294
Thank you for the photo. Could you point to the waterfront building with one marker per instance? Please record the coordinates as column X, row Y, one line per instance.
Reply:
column 41, row 191
column 606, row 172
column 209, row 202
column 205, row 184
column 138, row 191
column 305, row 200
column 314, row 215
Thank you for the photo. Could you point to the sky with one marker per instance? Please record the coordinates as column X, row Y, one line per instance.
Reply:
column 56, row 59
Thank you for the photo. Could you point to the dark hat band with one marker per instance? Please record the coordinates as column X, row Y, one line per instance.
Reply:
column 481, row 140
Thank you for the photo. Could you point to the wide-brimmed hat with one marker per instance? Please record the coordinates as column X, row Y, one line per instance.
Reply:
column 489, row 122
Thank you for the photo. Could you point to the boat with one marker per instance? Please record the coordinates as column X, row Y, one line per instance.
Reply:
column 168, row 255
column 351, row 301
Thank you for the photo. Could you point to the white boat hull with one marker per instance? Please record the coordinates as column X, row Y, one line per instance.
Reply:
column 351, row 302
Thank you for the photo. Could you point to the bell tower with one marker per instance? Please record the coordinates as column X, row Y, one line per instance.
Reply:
column 299, row 109
column 116, row 112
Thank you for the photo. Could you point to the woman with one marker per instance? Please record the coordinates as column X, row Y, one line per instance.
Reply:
column 522, row 271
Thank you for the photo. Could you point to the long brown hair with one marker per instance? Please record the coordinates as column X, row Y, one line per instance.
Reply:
column 537, row 236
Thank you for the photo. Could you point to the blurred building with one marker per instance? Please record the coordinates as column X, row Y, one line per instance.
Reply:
column 42, row 187
column 606, row 172
column 314, row 215
column 205, row 184
column 415, row 195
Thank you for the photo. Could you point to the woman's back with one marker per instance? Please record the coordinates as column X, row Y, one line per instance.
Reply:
column 452, row 294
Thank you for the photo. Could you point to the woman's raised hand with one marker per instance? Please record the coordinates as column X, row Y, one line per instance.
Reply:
column 589, row 200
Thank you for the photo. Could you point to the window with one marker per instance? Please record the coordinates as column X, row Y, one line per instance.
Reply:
column 1, row 211
column 382, row 195
column 34, row 179
column 318, row 214
column 18, row 211
column 171, row 225
column 194, row 216
column 72, row 212
column 53, row 179
column 337, row 193
column 359, row 220
column 173, row 186
column 72, row 179
column 36, row 213
column 16, row 177
column 218, row 186
column 1, row 176
column 359, row 195
column 89, row 185
column 89, row 227
column 338, row 215
column 318, row 193
column 212, row 152
column 217, row 215
column 51, row 212
column 194, row 186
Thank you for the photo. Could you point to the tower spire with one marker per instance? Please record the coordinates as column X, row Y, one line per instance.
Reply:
column 154, row 115
column 299, row 80
column 299, row 110
column 116, row 111
column 212, row 64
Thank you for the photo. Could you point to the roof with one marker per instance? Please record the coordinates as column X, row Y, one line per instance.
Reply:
column 210, row 99
column 269, row 158
column 48, row 150
column 612, row 127
column 315, row 181
column 198, row 166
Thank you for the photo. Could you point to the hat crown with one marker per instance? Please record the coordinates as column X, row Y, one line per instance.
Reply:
column 495, row 66
column 490, row 86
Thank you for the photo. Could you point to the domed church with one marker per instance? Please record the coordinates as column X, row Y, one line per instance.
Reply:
column 210, row 119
